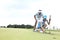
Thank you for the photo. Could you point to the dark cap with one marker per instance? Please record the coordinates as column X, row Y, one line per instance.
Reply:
column 39, row 10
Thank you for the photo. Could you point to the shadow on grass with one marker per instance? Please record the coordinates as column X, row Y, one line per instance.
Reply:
column 49, row 33
column 46, row 33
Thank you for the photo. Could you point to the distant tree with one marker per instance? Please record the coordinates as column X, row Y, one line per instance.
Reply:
column 9, row 26
column 19, row 26
column 29, row 26
column 22, row 26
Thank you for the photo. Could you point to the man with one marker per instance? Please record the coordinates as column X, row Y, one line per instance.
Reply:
column 45, row 20
column 39, row 18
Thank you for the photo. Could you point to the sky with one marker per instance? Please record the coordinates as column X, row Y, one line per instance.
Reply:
column 23, row 11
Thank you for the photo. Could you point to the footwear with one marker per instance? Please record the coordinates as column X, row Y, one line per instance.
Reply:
column 35, row 30
column 41, row 31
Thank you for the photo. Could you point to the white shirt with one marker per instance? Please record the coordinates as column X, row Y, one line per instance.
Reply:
column 39, row 17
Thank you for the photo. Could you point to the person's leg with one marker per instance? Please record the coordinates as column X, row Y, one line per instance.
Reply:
column 45, row 25
column 42, row 28
column 35, row 25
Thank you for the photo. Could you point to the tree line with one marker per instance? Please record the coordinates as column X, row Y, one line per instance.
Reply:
column 19, row 26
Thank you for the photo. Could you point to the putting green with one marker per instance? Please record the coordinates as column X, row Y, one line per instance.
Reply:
column 27, row 34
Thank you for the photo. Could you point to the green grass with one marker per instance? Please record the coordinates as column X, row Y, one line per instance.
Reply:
column 27, row 34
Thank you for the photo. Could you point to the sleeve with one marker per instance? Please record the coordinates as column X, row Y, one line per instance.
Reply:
column 35, row 14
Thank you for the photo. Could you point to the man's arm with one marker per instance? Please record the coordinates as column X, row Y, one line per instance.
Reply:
column 49, row 20
column 35, row 22
column 35, row 17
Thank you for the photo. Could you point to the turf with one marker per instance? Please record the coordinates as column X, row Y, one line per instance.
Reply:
column 27, row 34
